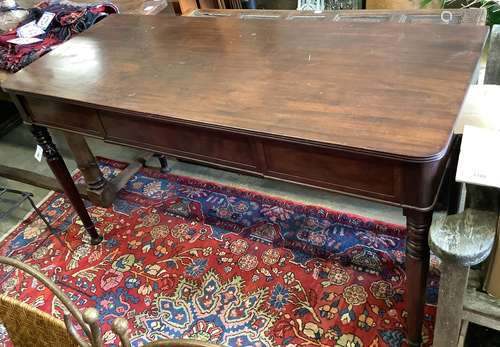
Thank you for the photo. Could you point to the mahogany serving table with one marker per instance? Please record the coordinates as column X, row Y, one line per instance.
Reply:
column 364, row 109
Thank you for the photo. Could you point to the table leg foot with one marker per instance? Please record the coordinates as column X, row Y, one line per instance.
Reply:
column 95, row 238
column 162, row 158
column 417, row 266
column 59, row 169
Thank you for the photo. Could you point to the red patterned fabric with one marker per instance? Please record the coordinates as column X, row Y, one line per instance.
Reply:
column 69, row 20
column 193, row 259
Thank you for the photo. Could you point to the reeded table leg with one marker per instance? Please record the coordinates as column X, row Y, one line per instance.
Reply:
column 58, row 167
column 417, row 266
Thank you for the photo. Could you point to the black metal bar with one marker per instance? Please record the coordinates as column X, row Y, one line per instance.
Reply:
column 15, row 204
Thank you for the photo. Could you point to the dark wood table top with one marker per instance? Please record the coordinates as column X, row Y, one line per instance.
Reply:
column 388, row 88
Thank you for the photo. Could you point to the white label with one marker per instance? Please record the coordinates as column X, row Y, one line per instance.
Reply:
column 45, row 20
column 8, row 4
column 29, row 30
column 38, row 153
column 478, row 162
column 24, row 40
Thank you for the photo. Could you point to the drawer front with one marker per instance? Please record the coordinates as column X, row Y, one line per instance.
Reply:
column 180, row 140
column 332, row 169
column 66, row 116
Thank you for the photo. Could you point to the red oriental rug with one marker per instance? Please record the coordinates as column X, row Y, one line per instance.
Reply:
column 194, row 259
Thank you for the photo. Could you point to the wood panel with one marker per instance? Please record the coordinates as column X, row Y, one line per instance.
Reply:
column 331, row 169
column 430, row 178
column 65, row 116
column 476, row 16
column 178, row 140
column 206, row 4
column 400, row 4
column 342, row 171
column 187, row 6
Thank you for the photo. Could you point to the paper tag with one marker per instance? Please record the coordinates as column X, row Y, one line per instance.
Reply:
column 24, row 40
column 478, row 162
column 8, row 4
column 45, row 20
column 38, row 153
column 29, row 30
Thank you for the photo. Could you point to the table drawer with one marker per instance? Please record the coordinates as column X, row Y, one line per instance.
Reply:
column 60, row 115
column 332, row 169
column 186, row 141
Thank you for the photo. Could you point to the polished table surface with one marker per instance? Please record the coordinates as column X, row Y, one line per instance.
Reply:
column 365, row 109
column 394, row 89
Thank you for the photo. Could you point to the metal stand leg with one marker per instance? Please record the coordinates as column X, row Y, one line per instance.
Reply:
column 42, row 217
column 25, row 196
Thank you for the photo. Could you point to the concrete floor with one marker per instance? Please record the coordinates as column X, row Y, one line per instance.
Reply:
column 17, row 149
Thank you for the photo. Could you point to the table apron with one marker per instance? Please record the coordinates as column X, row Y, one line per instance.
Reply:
column 387, row 180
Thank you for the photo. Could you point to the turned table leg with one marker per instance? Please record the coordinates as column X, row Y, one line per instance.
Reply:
column 417, row 266
column 101, row 191
column 87, row 164
column 58, row 167
column 85, row 161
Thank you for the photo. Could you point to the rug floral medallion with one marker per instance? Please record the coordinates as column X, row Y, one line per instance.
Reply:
column 184, row 258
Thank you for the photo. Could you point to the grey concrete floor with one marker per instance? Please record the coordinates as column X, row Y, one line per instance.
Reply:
column 17, row 149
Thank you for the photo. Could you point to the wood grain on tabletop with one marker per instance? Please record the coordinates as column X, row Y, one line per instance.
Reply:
column 388, row 88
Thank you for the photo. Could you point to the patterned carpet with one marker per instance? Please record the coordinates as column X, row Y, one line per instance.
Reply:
column 193, row 259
